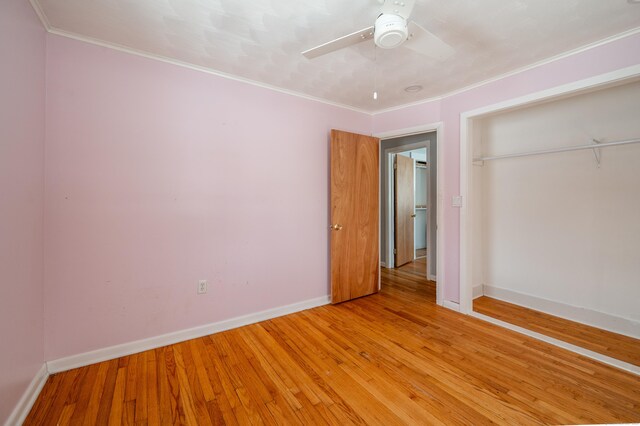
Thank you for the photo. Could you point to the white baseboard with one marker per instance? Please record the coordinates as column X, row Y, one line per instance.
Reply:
column 451, row 305
column 383, row 264
column 477, row 291
column 586, row 316
column 112, row 352
column 21, row 410
column 433, row 278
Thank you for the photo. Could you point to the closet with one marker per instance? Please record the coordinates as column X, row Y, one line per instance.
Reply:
column 556, row 213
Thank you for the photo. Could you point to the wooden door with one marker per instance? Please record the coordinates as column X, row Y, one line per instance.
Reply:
column 404, row 210
column 355, row 187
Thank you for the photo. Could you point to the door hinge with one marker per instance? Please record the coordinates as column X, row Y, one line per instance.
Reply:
column 395, row 251
column 395, row 166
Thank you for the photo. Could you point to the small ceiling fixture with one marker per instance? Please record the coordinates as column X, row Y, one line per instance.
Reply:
column 413, row 88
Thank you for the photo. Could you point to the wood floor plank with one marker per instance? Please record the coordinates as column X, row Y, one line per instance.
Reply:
column 115, row 414
column 107, row 396
column 141, row 388
column 91, row 412
column 44, row 400
column 82, row 393
column 391, row 358
column 153, row 408
column 65, row 417
column 52, row 415
column 186, row 399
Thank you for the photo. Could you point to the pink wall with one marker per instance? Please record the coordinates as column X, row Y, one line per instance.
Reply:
column 158, row 176
column 615, row 55
column 22, row 92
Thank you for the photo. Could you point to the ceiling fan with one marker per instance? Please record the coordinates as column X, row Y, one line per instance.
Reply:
column 391, row 29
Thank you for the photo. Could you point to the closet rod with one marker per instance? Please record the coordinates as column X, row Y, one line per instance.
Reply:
column 569, row 148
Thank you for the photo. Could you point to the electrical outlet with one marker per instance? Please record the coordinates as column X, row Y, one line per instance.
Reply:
column 202, row 286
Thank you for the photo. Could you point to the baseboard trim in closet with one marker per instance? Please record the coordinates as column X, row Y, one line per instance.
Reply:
column 568, row 346
column 477, row 291
column 573, row 313
column 117, row 351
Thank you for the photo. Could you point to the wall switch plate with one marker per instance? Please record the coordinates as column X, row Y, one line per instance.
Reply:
column 456, row 201
column 202, row 286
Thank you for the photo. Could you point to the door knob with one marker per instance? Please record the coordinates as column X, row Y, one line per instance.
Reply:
column 413, row 215
column 336, row 227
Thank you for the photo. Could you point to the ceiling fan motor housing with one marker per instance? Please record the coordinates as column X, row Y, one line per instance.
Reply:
column 390, row 31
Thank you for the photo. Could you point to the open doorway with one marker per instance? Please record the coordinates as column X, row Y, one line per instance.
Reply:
column 409, row 204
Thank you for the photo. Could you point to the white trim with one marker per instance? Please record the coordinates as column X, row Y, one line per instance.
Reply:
column 451, row 305
column 586, row 316
column 465, row 219
column 388, row 156
column 559, row 343
column 430, row 218
column 112, row 352
column 433, row 278
column 573, row 88
column 43, row 18
column 440, row 252
column 466, row 153
column 438, row 127
column 478, row 291
column 383, row 264
column 409, row 131
column 549, row 60
column 388, row 181
column 194, row 67
column 22, row 409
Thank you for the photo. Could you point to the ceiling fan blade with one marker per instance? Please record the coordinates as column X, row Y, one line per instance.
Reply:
column 339, row 43
column 426, row 43
column 399, row 7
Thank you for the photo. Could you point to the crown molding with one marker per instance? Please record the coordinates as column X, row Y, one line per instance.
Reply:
column 41, row 15
column 563, row 55
column 206, row 70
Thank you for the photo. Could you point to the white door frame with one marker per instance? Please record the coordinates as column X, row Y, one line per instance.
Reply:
column 466, row 159
column 389, row 180
column 440, row 255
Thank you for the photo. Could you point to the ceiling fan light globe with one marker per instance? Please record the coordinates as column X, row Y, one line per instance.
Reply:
column 390, row 31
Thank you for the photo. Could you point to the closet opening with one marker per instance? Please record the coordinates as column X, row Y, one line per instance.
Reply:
column 551, row 236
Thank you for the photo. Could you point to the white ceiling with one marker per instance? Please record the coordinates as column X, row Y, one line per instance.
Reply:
column 261, row 40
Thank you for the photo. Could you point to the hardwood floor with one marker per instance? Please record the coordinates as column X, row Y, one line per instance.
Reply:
column 604, row 342
column 417, row 267
column 390, row 358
